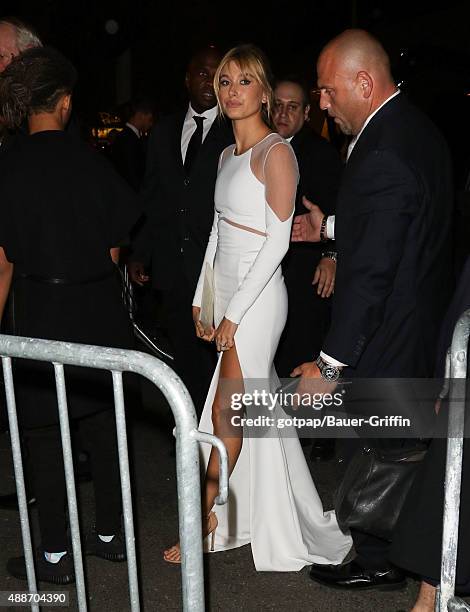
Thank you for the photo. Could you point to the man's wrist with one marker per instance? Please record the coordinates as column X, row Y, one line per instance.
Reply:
column 330, row 255
column 328, row 371
column 323, row 236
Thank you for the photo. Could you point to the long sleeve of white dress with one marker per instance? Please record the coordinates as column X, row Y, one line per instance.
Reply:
column 208, row 258
column 277, row 168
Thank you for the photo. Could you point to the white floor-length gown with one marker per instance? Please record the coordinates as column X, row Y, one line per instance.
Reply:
column 273, row 503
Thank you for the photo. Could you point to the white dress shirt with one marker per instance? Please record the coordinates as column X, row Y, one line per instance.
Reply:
column 189, row 126
column 134, row 129
column 330, row 222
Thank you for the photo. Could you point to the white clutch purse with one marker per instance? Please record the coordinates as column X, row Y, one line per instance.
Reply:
column 206, row 316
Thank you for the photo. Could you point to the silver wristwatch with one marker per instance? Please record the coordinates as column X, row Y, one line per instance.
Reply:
column 328, row 372
column 331, row 255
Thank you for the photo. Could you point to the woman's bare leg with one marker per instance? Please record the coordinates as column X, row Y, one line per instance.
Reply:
column 426, row 598
column 230, row 381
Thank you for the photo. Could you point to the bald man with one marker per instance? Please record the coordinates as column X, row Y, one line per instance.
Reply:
column 391, row 233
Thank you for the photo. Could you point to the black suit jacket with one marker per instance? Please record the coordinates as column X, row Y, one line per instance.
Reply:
column 392, row 237
column 179, row 209
column 320, row 171
column 128, row 156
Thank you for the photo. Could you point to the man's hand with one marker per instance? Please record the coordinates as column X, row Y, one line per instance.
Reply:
column 311, row 381
column 306, row 228
column 325, row 277
column 136, row 271
column 201, row 332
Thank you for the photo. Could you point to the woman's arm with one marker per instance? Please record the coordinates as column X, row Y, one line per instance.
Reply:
column 280, row 180
column 6, row 273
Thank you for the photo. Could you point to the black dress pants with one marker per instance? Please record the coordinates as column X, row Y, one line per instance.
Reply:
column 98, row 433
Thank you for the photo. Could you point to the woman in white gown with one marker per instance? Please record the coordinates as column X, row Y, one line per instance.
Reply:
column 273, row 503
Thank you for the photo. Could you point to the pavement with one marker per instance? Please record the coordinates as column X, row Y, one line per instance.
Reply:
column 231, row 581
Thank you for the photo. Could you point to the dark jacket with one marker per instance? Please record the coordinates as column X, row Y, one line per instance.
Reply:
column 320, row 171
column 392, row 236
column 128, row 156
column 179, row 209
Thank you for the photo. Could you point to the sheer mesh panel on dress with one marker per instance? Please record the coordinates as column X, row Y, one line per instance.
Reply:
column 274, row 164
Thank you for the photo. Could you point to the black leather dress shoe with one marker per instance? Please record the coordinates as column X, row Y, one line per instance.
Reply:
column 54, row 573
column 111, row 551
column 353, row 576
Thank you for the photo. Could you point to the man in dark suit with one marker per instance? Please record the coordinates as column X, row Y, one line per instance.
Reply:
column 178, row 193
column 309, row 269
column 128, row 151
column 391, row 233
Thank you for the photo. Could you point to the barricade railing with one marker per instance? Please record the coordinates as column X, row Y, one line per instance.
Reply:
column 187, row 435
column 456, row 369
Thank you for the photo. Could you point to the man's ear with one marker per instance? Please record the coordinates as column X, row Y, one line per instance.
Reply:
column 366, row 83
column 307, row 112
column 67, row 102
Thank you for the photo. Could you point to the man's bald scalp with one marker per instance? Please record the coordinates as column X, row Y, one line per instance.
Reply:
column 358, row 50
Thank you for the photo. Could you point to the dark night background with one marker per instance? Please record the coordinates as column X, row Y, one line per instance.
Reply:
column 149, row 51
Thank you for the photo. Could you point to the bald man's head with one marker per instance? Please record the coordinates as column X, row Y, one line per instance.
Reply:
column 354, row 78
column 359, row 50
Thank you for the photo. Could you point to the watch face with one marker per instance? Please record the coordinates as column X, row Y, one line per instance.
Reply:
column 330, row 373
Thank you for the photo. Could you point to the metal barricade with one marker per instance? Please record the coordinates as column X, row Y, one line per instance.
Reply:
column 457, row 367
column 118, row 361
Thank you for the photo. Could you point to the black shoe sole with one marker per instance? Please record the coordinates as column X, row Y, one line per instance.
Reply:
column 115, row 557
column 59, row 580
column 395, row 586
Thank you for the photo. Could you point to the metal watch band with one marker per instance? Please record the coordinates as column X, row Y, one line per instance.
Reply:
column 331, row 255
column 328, row 372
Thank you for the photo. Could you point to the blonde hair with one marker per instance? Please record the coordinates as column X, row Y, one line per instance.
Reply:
column 253, row 61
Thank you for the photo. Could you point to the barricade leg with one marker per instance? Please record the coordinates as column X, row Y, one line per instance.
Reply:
column 450, row 533
column 70, row 486
column 126, row 490
column 19, row 477
column 189, row 511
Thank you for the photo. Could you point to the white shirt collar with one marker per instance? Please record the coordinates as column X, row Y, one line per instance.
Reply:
column 353, row 142
column 210, row 114
column 134, row 129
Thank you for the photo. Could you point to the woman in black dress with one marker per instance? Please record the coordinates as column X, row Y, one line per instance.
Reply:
column 64, row 211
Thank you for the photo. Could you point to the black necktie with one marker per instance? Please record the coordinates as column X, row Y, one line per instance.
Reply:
column 194, row 144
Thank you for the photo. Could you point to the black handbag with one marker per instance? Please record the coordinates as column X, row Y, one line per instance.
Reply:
column 374, row 488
